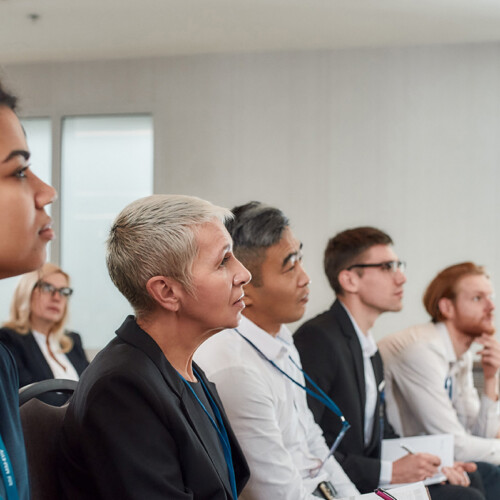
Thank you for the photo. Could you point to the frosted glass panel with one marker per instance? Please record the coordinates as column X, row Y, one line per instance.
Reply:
column 107, row 162
column 38, row 133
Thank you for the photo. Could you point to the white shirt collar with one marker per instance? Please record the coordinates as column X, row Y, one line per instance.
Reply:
column 451, row 357
column 41, row 339
column 272, row 347
column 368, row 344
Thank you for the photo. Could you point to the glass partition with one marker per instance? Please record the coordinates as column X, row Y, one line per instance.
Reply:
column 107, row 162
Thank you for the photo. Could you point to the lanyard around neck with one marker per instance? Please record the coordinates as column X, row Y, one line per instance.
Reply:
column 220, row 429
column 448, row 385
column 7, row 473
column 320, row 395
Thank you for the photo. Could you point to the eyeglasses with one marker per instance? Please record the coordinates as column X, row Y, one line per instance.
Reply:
column 390, row 265
column 45, row 287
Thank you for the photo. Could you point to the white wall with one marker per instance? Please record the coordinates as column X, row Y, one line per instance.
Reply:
column 403, row 139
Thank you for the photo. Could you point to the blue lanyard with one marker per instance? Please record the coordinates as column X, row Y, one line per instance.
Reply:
column 381, row 413
column 320, row 395
column 7, row 473
column 448, row 385
column 220, row 429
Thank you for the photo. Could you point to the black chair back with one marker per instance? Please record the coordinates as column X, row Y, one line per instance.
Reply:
column 41, row 425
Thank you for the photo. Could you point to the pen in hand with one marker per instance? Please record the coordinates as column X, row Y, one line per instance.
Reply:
column 411, row 452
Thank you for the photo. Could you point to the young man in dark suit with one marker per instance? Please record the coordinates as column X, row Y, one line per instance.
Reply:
column 339, row 353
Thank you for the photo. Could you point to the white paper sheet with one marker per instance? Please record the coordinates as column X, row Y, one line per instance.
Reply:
column 437, row 444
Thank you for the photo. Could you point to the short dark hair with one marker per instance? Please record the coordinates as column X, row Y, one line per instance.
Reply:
column 255, row 228
column 445, row 285
column 345, row 247
column 7, row 99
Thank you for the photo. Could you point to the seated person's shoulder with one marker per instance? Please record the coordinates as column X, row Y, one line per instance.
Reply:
column 76, row 337
column 320, row 326
column 225, row 349
column 412, row 344
column 9, row 335
column 319, row 335
column 229, row 361
column 7, row 364
column 120, row 362
column 14, row 341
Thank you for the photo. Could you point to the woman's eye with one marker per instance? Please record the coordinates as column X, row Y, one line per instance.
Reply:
column 224, row 261
column 21, row 172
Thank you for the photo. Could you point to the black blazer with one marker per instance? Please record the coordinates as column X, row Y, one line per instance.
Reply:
column 331, row 354
column 31, row 363
column 133, row 431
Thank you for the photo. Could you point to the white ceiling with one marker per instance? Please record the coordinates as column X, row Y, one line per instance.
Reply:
column 107, row 29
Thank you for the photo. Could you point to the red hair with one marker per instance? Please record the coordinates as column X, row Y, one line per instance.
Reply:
column 444, row 285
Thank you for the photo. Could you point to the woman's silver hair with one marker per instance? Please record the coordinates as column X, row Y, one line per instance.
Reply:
column 156, row 236
column 20, row 307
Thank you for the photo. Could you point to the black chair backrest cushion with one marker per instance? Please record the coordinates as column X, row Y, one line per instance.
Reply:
column 41, row 426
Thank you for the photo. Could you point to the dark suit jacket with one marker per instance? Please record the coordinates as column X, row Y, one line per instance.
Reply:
column 133, row 430
column 31, row 363
column 331, row 354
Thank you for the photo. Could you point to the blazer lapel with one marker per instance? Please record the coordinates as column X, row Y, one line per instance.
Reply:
column 131, row 333
column 351, row 338
column 39, row 363
column 378, row 423
column 198, row 420
column 240, row 466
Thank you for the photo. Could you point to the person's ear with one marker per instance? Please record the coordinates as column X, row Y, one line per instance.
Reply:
column 446, row 308
column 349, row 281
column 165, row 291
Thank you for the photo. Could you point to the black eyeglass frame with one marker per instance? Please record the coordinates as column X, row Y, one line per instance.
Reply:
column 64, row 291
column 389, row 265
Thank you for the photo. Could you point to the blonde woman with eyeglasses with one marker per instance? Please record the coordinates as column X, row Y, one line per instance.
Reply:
column 35, row 332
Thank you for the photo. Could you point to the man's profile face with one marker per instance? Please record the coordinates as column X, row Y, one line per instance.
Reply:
column 473, row 306
column 380, row 289
column 283, row 293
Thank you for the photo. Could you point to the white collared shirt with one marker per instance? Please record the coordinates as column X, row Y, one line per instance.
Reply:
column 417, row 363
column 479, row 416
column 269, row 414
column 369, row 348
column 62, row 368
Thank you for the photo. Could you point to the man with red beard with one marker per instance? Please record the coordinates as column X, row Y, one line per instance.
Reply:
column 428, row 368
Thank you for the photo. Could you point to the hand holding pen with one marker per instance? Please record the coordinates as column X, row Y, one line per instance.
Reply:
column 457, row 474
column 414, row 467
